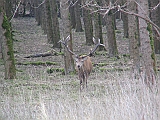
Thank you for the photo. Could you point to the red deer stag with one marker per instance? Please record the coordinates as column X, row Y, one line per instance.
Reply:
column 83, row 63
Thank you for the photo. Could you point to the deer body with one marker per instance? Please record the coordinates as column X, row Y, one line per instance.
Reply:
column 83, row 67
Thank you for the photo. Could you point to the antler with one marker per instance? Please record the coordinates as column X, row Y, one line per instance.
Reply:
column 92, row 51
column 65, row 44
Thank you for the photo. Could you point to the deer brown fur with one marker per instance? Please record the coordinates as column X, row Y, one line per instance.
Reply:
column 84, row 67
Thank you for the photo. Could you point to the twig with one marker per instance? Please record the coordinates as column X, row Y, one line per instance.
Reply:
column 154, row 8
column 39, row 4
column 16, row 10
column 148, row 20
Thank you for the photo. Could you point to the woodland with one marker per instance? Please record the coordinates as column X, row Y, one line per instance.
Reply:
column 40, row 39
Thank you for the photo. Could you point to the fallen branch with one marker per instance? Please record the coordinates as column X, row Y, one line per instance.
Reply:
column 49, row 53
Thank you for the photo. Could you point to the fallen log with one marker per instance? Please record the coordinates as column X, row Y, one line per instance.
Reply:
column 49, row 53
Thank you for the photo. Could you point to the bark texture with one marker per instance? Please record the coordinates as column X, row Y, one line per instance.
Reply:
column 146, row 50
column 134, row 44
column 69, row 63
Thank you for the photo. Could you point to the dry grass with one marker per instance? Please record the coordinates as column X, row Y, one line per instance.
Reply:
column 110, row 96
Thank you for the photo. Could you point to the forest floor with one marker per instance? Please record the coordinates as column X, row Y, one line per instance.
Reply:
column 39, row 95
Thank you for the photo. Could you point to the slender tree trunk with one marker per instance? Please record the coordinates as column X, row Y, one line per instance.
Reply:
column 7, row 46
column 72, row 13
column 55, row 24
column 37, row 12
column 8, row 8
column 78, row 16
column 134, row 44
column 98, row 26
column 112, row 45
column 154, row 14
column 125, row 22
column 69, row 63
column 58, row 8
column 146, row 50
column 88, row 25
column 49, row 22
column 1, row 30
column 43, row 17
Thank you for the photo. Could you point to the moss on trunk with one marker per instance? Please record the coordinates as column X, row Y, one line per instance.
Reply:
column 149, row 28
column 10, row 61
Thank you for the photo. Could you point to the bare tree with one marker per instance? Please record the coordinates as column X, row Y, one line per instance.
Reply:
column 72, row 13
column 78, row 16
column 88, row 25
column 37, row 11
column 125, row 21
column 55, row 24
column 112, row 45
column 69, row 63
column 146, row 50
column 7, row 43
column 154, row 15
column 144, row 33
column 98, row 26
column 49, row 22
column 1, row 30
column 133, row 38
column 43, row 18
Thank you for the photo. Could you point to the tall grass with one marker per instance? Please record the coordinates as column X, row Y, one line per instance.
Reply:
column 109, row 97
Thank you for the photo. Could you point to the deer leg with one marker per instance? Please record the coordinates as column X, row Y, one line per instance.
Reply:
column 86, row 83
column 85, row 80
column 81, row 84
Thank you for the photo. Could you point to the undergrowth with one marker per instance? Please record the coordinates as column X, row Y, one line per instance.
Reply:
column 116, row 96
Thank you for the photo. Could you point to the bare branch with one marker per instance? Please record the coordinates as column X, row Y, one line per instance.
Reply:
column 39, row 4
column 146, row 19
column 16, row 10
column 154, row 8
column 105, row 10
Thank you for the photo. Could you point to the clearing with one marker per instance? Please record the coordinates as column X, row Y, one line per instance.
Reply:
column 42, row 92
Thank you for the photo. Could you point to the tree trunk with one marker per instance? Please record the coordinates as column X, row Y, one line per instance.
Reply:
column 7, row 47
column 112, row 45
column 125, row 21
column 69, row 63
column 49, row 22
column 134, row 44
column 58, row 8
column 146, row 50
column 154, row 14
column 8, row 9
column 1, row 30
column 98, row 26
column 72, row 13
column 44, row 20
column 78, row 16
column 55, row 24
column 37, row 12
column 88, row 26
